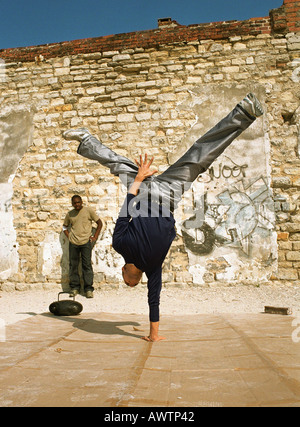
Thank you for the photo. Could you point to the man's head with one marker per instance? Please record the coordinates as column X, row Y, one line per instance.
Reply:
column 131, row 275
column 77, row 202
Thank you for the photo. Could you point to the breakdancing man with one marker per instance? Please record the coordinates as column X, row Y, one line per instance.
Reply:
column 144, row 230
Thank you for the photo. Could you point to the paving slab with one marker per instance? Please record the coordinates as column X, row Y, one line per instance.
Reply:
column 99, row 359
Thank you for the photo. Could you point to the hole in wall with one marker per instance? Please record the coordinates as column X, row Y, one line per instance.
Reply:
column 288, row 117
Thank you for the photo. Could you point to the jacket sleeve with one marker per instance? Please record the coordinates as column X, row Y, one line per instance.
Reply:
column 154, row 289
column 122, row 222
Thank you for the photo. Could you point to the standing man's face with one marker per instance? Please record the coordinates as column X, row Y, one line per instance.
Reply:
column 77, row 204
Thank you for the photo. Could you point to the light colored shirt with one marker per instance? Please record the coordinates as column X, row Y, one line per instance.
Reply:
column 81, row 224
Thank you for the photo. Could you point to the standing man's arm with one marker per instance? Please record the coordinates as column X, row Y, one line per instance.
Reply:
column 97, row 232
column 66, row 224
column 66, row 232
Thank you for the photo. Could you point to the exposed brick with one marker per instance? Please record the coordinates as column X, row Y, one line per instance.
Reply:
column 141, row 39
column 293, row 256
column 282, row 236
column 281, row 20
column 285, row 274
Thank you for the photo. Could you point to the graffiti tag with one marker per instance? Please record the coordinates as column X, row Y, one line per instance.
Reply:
column 240, row 213
column 227, row 171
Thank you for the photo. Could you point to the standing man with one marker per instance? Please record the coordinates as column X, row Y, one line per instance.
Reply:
column 80, row 221
column 145, row 230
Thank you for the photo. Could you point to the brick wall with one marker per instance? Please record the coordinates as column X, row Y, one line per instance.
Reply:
column 159, row 89
column 284, row 19
column 165, row 34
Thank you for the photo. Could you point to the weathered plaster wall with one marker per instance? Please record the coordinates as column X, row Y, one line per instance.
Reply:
column 155, row 91
column 236, row 239
column 15, row 135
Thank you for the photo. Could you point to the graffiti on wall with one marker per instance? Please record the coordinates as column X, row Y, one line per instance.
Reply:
column 5, row 205
column 231, row 170
column 239, row 213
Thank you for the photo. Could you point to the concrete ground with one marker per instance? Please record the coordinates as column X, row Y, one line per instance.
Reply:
column 98, row 359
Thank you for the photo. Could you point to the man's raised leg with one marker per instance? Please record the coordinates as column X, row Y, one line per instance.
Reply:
column 91, row 148
column 208, row 148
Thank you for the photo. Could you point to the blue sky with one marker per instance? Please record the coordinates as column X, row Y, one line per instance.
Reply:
column 34, row 22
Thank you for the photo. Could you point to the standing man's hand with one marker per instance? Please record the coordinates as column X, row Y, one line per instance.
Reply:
column 66, row 233
column 97, row 232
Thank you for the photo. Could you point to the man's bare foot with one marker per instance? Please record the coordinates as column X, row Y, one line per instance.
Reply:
column 153, row 339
